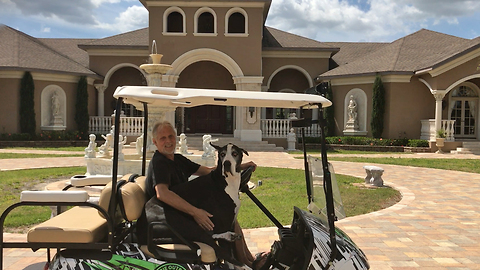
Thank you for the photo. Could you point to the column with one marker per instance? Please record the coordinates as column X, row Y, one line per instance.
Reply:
column 100, row 98
column 439, row 95
column 248, row 118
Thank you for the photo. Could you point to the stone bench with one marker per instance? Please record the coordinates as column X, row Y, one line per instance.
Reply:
column 374, row 175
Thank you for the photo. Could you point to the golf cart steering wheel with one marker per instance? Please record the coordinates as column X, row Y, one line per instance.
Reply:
column 245, row 177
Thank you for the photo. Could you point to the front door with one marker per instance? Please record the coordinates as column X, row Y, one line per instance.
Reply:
column 464, row 110
column 209, row 119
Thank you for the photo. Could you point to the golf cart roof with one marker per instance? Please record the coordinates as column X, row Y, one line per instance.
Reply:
column 191, row 97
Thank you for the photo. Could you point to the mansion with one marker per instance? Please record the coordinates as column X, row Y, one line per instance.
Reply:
column 432, row 80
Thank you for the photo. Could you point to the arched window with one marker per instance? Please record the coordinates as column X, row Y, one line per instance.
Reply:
column 205, row 22
column 236, row 22
column 174, row 21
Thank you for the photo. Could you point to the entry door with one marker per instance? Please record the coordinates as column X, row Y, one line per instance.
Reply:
column 463, row 112
column 209, row 119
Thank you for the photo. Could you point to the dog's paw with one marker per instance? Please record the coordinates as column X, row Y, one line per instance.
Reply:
column 228, row 236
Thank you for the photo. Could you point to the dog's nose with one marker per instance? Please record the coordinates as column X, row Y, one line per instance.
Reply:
column 227, row 166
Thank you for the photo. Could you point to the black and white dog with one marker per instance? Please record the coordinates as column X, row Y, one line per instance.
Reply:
column 216, row 193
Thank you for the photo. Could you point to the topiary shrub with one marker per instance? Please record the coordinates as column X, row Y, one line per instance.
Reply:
column 81, row 108
column 27, row 104
column 378, row 108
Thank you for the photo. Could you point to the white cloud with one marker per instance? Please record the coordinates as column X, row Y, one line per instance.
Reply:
column 373, row 20
column 132, row 18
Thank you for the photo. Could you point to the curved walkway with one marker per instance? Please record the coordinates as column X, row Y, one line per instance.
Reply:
column 436, row 225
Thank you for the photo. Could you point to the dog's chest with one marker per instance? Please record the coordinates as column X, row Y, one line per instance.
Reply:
column 233, row 184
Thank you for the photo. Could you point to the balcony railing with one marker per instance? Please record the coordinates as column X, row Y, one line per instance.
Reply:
column 129, row 126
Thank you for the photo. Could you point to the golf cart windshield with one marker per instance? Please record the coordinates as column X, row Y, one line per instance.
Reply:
column 318, row 204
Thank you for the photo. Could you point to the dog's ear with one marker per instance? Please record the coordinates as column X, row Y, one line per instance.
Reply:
column 244, row 151
column 216, row 147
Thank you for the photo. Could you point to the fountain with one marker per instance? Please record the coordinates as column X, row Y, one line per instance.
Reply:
column 101, row 163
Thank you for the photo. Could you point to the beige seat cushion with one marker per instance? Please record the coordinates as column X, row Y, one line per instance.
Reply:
column 207, row 252
column 81, row 224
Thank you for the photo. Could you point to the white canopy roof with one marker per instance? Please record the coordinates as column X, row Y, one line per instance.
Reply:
column 191, row 97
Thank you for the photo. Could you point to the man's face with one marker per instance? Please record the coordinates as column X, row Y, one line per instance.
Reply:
column 165, row 141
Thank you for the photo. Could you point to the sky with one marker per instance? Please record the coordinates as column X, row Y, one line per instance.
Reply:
column 322, row 20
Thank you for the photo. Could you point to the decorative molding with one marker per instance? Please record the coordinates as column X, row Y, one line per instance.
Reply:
column 296, row 54
column 205, row 54
column 201, row 4
column 455, row 63
column 370, row 79
column 295, row 67
column 248, row 79
column 118, row 52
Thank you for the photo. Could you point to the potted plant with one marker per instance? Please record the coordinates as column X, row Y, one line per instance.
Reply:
column 440, row 140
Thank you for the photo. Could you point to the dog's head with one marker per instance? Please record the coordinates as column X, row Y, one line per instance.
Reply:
column 229, row 158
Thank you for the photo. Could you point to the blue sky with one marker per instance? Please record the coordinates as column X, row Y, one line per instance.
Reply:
column 322, row 20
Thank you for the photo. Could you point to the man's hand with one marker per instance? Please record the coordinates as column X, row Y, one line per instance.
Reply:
column 202, row 217
column 244, row 166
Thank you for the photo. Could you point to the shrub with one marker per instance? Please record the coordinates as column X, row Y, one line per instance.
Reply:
column 350, row 140
column 27, row 104
column 81, row 108
column 378, row 107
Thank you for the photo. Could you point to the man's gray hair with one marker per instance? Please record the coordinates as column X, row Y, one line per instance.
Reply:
column 159, row 125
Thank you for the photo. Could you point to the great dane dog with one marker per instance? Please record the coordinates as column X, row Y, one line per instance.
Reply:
column 216, row 193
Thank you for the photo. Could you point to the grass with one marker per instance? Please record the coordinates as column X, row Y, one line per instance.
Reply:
column 28, row 155
column 13, row 182
column 70, row 148
column 352, row 152
column 284, row 188
column 281, row 190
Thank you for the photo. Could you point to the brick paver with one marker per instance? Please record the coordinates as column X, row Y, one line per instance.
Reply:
column 436, row 225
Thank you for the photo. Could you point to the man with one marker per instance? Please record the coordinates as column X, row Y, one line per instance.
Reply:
column 167, row 169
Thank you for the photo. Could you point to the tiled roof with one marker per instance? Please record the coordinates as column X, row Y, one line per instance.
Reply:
column 69, row 47
column 274, row 39
column 137, row 39
column 19, row 51
column 350, row 51
column 420, row 50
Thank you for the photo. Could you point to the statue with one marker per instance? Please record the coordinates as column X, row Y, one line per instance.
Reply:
column 352, row 109
column 103, row 150
column 352, row 112
column 121, row 143
column 291, row 139
column 208, row 150
column 90, row 150
column 139, row 145
column 55, row 104
column 56, row 115
column 183, row 145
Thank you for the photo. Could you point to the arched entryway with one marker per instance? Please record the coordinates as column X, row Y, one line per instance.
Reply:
column 289, row 79
column 202, row 119
column 464, row 110
column 122, row 76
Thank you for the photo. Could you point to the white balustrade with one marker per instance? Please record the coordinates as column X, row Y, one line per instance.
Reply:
column 428, row 131
column 279, row 128
column 129, row 126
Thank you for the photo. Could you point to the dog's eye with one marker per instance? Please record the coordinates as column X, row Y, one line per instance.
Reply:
column 234, row 154
column 222, row 154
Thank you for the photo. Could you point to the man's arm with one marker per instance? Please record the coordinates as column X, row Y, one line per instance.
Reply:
column 169, row 197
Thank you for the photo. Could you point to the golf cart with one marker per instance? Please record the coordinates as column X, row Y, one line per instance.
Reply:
column 91, row 236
